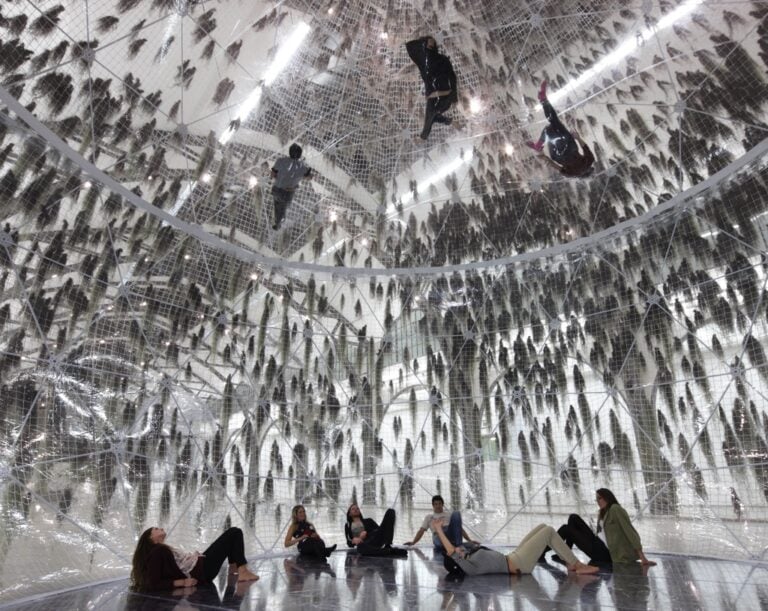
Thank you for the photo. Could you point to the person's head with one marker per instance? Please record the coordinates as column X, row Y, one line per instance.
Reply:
column 298, row 514
column 437, row 503
column 294, row 151
column 354, row 513
column 431, row 43
column 147, row 541
column 605, row 498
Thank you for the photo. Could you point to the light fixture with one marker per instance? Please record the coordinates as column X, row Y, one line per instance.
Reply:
column 509, row 149
column 206, row 177
column 475, row 106
column 333, row 216
column 439, row 175
column 253, row 181
column 284, row 54
column 625, row 48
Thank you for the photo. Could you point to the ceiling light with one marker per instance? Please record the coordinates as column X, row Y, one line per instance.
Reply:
column 330, row 11
column 206, row 178
column 626, row 48
column 509, row 149
column 253, row 181
column 333, row 216
column 364, row 241
column 282, row 57
column 475, row 106
column 439, row 175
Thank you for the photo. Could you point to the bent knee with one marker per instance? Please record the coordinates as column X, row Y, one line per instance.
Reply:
column 546, row 528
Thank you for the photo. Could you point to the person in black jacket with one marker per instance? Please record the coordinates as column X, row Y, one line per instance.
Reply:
column 564, row 153
column 304, row 535
column 367, row 536
column 158, row 566
column 439, row 81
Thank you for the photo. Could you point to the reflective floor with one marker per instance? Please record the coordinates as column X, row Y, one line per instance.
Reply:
column 349, row 581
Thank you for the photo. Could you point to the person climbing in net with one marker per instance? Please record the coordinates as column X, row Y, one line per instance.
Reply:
column 564, row 152
column 439, row 81
column 287, row 173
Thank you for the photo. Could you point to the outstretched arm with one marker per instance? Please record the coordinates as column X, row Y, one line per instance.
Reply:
column 418, row 536
column 467, row 537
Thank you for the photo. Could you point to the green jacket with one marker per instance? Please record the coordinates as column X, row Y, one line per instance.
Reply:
column 623, row 540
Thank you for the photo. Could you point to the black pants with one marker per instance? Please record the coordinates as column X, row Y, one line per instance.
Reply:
column 577, row 532
column 380, row 537
column 229, row 546
column 282, row 198
column 434, row 113
column 312, row 547
column 562, row 146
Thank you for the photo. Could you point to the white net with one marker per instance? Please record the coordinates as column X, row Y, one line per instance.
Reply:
column 432, row 317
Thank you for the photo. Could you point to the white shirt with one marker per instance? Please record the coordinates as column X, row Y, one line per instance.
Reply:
column 444, row 516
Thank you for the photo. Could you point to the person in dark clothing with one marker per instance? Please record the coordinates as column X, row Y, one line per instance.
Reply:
column 287, row 173
column 439, row 81
column 368, row 537
column 577, row 532
column 158, row 566
column 303, row 534
column 564, row 152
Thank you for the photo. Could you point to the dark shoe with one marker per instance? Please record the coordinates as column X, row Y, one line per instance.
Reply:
column 274, row 227
column 330, row 550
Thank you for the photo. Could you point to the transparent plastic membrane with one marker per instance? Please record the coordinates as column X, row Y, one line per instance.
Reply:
column 442, row 317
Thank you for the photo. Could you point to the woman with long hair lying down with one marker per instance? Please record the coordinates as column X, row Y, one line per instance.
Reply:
column 158, row 566
column 471, row 560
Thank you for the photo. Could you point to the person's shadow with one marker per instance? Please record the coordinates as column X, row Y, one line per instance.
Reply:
column 299, row 568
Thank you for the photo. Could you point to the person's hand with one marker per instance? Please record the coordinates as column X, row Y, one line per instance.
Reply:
column 363, row 535
column 408, row 543
column 645, row 562
column 357, row 540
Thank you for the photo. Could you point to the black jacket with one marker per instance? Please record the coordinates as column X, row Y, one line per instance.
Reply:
column 435, row 68
column 370, row 526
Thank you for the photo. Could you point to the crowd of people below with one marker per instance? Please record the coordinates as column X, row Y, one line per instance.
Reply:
column 158, row 566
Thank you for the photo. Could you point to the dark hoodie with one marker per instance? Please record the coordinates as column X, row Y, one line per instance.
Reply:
column 435, row 68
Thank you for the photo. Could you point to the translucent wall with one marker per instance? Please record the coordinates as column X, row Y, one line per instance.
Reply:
column 488, row 332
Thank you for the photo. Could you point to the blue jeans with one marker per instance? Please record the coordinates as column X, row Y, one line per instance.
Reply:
column 452, row 531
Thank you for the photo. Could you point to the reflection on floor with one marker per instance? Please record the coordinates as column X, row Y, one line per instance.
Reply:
column 349, row 581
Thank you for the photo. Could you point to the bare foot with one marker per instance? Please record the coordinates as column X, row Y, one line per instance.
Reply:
column 243, row 574
column 583, row 569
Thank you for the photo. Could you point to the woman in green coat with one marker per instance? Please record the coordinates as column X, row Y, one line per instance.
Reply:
column 619, row 536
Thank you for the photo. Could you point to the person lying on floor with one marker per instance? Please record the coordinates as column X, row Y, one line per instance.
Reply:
column 474, row 560
column 368, row 537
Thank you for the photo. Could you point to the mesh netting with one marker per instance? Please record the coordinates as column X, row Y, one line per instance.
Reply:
column 432, row 317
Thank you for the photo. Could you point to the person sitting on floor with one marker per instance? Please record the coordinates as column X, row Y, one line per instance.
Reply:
column 368, row 537
column 158, row 566
column 303, row 534
column 451, row 524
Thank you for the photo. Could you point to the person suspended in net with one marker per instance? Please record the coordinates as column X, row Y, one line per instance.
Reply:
column 287, row 173
column 439, row 81
column 564, row 152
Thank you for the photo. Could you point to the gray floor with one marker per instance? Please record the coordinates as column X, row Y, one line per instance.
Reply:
column 419, row 582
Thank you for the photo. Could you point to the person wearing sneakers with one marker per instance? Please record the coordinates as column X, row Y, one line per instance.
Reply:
column 287, row 173
column 474, row 560
column 439, row 81
column 564, row 152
